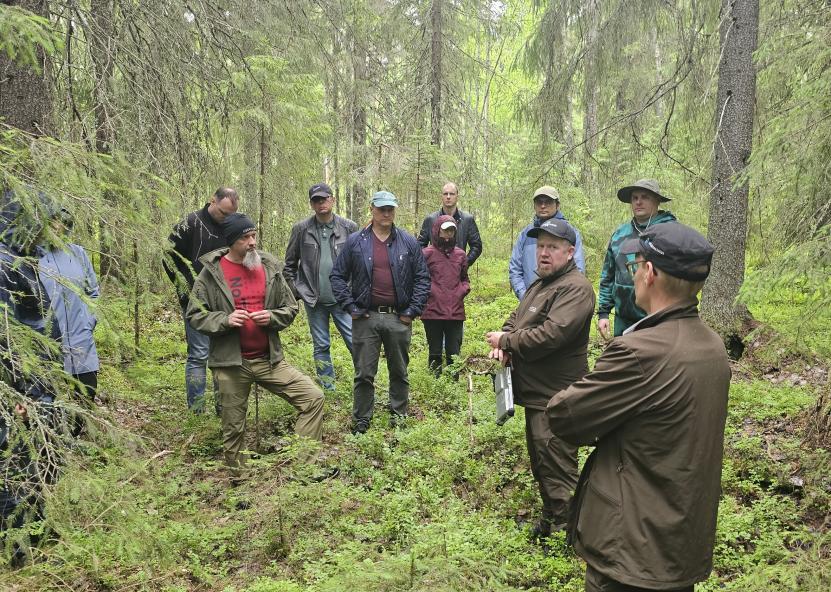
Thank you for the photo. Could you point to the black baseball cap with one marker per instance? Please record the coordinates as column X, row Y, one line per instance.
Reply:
column 320, row 190
column 555, row 227
column 675, row 249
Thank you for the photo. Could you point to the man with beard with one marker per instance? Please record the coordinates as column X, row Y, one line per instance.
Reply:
column 242, row 302
column 546, row 341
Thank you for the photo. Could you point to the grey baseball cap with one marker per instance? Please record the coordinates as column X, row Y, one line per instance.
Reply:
column 624, row 194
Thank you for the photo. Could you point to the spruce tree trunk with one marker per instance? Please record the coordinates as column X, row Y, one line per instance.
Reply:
column 358, row 205
column 25, row 92
column 590, row 92
column 733, row 141
column 435, row 73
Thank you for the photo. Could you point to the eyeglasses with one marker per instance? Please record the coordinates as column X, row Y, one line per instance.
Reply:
column 632, row 266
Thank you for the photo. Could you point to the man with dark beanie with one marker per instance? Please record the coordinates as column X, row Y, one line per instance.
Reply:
column 199, row 233
column 242, row 302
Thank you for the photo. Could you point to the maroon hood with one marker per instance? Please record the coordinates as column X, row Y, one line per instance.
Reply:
column 434, row 235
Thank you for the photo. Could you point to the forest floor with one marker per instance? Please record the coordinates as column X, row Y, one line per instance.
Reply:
column 442, row 503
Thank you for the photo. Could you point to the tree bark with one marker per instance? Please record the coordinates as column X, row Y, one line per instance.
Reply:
column 435, row 73
column 590, row 92
column 358, row 202
column 25, row 92
column 733, row 142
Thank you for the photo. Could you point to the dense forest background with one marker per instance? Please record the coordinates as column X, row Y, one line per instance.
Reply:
column 132, row 113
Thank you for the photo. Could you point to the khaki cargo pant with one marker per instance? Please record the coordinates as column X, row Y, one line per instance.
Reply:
column 281, row 379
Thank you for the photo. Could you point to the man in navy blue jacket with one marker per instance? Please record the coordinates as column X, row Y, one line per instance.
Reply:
column 381, row 279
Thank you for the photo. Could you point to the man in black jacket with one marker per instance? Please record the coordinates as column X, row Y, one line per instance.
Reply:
column 467, row 233
column 313, row 248
column 199, row 233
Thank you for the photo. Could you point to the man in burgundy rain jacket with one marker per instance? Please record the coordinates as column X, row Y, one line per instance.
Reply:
column 444, row 315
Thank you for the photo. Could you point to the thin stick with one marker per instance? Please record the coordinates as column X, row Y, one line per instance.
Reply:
column 470, row 406
column 257, row 418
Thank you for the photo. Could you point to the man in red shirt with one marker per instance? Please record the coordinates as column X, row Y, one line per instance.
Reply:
column 242, row 302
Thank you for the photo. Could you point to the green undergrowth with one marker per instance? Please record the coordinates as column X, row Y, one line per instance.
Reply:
column 443, row 503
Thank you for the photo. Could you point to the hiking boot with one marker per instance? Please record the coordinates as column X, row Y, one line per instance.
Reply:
column 359, row 427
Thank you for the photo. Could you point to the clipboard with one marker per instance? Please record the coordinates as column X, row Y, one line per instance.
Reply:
column 504, row 391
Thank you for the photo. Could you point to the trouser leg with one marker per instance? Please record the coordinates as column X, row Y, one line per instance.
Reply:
column 297, row 389
column 343, row 323
column 367, row 348
column 452, row 339
column 234, row 385
column 553, row 464
column 318, row 318
column 196, row 367
column 396, row 337
column 87, row 388
column 435, row 336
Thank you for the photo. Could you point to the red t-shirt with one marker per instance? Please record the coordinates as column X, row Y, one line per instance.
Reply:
column 248, row 289
column 383, row 290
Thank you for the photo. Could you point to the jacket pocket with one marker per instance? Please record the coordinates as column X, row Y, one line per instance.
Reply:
column 600, row 521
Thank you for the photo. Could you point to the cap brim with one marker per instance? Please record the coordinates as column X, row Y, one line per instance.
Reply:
column 320, row 194
column 631, row 246
column 384, row 202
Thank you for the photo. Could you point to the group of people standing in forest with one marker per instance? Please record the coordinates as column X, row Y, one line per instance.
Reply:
column 642, row 513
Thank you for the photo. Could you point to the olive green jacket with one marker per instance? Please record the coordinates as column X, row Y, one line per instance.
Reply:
column 211, row 302
column 655, row 407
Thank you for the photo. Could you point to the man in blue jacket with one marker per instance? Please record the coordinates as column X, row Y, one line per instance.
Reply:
column 522, row 268
column 381, row 279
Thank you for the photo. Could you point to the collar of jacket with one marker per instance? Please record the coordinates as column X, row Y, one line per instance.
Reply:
column 559, row 216
column 660, row 217
column 336, row 225
column 206, row 217
column 680, row 310
column 393, row 232
column 210, row 261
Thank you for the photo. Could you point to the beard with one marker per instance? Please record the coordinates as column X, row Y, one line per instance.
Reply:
column 252, row 260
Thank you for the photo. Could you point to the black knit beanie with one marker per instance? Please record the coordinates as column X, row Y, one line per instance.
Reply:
column 235, row 226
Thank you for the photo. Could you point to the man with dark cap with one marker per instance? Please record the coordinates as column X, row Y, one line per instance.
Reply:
column 644, row 513
column 242, row 302
column 199, row 233
column 616, row 290
column 546, row 342
column 522, row 267
column 381, row 278
column 313, row 247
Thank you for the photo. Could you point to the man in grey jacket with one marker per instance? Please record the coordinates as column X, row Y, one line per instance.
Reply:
column 644, row 511
column 313, row 248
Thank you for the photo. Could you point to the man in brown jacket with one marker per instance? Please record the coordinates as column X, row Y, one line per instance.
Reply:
column 644, row 513
column 546, row 339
